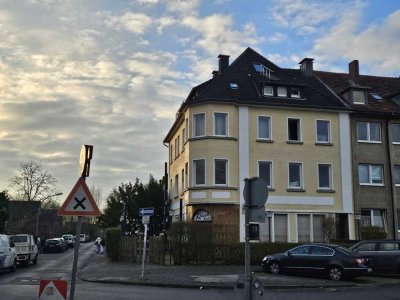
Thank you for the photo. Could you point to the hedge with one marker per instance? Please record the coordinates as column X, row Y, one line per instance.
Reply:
column 113, row 238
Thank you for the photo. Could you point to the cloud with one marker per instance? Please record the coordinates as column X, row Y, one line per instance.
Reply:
column 133, row 22
column 376, row 46
column 183, row 7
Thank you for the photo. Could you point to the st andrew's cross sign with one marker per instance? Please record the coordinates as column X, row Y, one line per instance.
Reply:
column 79, row 202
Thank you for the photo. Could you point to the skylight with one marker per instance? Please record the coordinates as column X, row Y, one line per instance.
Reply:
column 234, row 86
column 262, row 69
column 376, row 96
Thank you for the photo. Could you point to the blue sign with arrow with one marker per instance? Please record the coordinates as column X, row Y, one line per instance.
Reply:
column 146, row 211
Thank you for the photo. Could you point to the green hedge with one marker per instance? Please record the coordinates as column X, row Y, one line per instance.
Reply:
column 373, row 233
column 113, row 239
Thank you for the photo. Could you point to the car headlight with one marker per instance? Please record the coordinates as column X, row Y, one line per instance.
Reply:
column 265, row 259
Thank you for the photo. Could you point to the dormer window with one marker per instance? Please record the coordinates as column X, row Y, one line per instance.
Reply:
column 262, row 69
column 295, row 93
column 268, row 90
column 282, row 91
column 358, row 97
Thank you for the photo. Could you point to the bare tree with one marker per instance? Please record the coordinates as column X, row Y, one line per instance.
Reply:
column 33, row 183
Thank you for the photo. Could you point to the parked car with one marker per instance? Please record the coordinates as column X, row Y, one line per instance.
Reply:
column 333, row 261
column 383, row 255
column 83, row 238
column 64, row 243
column 8, row 255
column 70, row 239
column 26, row 248
column 53, row 245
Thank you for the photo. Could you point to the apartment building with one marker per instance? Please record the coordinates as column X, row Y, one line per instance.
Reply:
column 253, row 118
column 375, row 144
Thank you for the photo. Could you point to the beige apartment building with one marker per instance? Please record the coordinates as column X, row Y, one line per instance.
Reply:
column 256, row 119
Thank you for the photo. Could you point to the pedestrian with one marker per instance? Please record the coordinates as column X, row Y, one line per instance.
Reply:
column 99, row 246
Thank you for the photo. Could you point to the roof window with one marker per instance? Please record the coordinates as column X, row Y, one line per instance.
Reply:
column 234, row 86
column 358, row 97
column 376, row 96
column 262, row 69
column 295, row 93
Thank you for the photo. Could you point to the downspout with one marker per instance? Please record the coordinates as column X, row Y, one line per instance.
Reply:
column 392, row 188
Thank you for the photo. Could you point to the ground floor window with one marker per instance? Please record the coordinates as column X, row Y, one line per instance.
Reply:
column 373, row 217
column 309, row 228
column 280, row 227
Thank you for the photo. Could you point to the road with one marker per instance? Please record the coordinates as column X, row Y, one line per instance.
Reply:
column 24, row 284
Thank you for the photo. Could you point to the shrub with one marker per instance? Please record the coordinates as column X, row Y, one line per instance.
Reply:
column 113, row 238
column 373, row 233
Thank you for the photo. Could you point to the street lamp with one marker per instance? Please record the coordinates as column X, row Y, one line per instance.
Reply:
column 39, row 209
column 269, row 216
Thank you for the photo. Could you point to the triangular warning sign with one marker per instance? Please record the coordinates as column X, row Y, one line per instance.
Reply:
column 79, row 202
column 53, row 289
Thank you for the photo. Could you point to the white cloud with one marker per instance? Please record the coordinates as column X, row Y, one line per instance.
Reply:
column 376, row 46
column 133, row 22
column 183, row 7
column 165, row 22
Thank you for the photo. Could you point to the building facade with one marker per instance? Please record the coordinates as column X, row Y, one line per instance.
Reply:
column 256, row 119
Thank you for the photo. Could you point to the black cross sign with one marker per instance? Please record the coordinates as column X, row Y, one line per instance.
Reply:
column 80, row 203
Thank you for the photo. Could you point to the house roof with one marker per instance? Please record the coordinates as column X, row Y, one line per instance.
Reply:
column 242, row 72
column 385, row 87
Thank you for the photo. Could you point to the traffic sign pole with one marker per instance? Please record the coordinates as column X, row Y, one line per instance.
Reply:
column 247, row 275
column 144, row 249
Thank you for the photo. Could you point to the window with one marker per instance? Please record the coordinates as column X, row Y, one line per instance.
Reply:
column 373, row 217
column 183, row 136
column 221, row 174
column 369, row 246
column 398, row 219
column 265, row 171
column 301, row 250
column 370, row 174
column 325, row 176
column 358, row 97
column 178, row 148
column 280, row 228
column 323, row 131
column 187, row 129
column 396, row 133
column 220, row 124
column 295, row 178
column 183, row 180
column 234, row 86
column 186, row 175
column 264, row 128
column 294, row 130
column 389, row 246
column 199, row 124
column 322, row 251
column 171, row 153
column 282, row 91
column 176, row 185
column 262, row 69
column 303, row 228
column 368, row 132
column 318, row 229
column 268, row 90
column 397, row 176
column 199, row 172
column 295, row 92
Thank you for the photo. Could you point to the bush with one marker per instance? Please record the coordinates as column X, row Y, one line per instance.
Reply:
column 373, row 233
column 113, row 238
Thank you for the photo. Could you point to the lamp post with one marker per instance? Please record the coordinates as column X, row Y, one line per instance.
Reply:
column 39, row 210
column 269, row 216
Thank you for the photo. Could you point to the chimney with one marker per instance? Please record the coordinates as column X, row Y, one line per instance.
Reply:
column 306, row 65
column 214, row 74
column 223, row 62
column 354, row 70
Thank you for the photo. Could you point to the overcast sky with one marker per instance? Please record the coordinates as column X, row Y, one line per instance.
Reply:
column 113, row 73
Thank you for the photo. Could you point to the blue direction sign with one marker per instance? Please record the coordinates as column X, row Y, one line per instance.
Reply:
column 146, row 211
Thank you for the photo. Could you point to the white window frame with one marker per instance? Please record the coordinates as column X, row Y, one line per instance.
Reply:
column 395, row 142
column 226, row 123
column 371, row 216
column 300, row 173
column 279, row 90
column 268, row 94
column 226, row 171
column 195, row 124
column 194, row 172
column 329, row 131
column 330, row 176
column 368, row 140
column 271, row 174
column 370, row 175
column 298, row 130
column 269, row 129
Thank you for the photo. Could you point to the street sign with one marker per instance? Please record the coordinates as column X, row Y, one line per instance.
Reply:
column 53, row 289
column 79, row 202
column 146, row 211
column 84, row 160
column 258, row 192
column 145, row 219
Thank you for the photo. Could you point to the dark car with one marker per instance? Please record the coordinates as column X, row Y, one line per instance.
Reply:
column 333, row 261
column 53, row 245
column 383, row 255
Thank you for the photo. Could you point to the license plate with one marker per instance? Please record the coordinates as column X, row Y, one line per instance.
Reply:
column 369, row 269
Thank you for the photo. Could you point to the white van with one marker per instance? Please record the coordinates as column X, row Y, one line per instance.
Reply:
column 8, row 256
column 70, row 239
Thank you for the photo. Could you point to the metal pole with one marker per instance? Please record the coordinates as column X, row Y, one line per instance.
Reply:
column 75, row 264
column 247, row 275
column 144, row 250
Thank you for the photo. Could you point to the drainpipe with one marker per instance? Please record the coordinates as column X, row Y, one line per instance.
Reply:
column 392, row 187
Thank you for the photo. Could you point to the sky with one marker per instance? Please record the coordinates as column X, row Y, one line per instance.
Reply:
column 112, row 74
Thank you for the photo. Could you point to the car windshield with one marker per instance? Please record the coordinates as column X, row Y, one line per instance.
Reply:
column 3, row 241
column 20, row 239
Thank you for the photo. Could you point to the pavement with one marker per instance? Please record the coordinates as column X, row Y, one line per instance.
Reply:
column 99, row 269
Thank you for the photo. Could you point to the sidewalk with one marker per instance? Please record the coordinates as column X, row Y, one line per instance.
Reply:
column 99, row 269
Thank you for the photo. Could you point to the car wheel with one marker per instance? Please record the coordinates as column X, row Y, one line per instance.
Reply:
column 335, row 273
column 274, row 267
column 14, row 266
